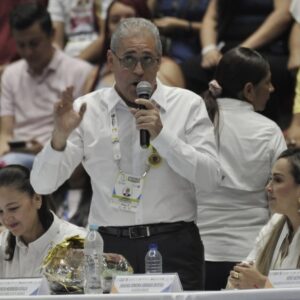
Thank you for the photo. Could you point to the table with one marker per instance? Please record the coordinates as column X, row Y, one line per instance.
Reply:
column 255, row 294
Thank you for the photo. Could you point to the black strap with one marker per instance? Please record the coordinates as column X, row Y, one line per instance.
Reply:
column 142, row 231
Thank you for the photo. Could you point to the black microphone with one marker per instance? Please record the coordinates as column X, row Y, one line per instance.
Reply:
column 144, row 90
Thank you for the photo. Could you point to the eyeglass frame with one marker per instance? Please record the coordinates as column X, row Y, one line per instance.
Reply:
column 120, row 59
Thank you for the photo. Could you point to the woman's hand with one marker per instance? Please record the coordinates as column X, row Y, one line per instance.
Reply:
column 246, row 276
column 211, row 59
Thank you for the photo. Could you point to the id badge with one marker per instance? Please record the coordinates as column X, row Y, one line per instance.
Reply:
column 127, row 192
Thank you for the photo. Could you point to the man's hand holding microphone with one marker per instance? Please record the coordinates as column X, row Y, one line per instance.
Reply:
column 147, row 115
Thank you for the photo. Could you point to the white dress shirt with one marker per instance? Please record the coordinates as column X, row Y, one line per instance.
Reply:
column 186, row 143
column 27, row 259
column 230, row 217
column 291, row 260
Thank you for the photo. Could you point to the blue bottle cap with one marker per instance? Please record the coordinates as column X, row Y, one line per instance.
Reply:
column 152, row 246
column 93, row 227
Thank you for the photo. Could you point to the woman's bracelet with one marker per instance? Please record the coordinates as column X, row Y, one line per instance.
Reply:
column 208, row 48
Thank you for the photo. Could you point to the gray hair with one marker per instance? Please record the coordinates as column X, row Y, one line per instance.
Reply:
column 131, row 26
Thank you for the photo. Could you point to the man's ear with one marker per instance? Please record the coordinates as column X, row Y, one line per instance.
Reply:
column 158, row 64
column 109, row 58
column 159, row 61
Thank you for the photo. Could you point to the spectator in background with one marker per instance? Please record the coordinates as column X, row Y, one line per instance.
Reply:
column 78, row 27
column 8, row 51
column 278, row 244
column 31, row 228
column 230, row 217
column 179, row 23
column 169, row 72
column 293, row 132
column 30, row 86
column 262, row 25
column 294, row 41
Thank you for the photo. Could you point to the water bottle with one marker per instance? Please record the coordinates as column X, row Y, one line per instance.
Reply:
column 153, row 260
column 93, row 250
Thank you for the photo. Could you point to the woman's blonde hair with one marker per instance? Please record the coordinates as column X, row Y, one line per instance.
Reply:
column 264, row 260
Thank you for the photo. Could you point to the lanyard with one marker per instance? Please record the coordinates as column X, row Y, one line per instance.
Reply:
column 116, row 143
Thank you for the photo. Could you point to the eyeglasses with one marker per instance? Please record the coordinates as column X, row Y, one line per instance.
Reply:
column 130, row 61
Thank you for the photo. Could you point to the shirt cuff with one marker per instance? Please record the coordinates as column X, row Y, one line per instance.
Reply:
column 51, row 154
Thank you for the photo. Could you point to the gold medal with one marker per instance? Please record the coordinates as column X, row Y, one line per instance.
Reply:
column 154, row 159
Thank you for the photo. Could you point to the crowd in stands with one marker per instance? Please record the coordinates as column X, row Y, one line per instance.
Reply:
column 260, row 25
column 241, row 57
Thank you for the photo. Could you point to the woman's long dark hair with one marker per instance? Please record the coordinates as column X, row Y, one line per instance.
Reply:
column 237, row 67
column 18, row 178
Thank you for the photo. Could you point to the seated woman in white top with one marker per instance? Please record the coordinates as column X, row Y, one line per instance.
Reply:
column 31, row 228
column 278, row 244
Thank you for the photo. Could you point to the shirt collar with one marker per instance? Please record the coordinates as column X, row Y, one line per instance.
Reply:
column 158, row 96
column 56, row 60
column 230, row 103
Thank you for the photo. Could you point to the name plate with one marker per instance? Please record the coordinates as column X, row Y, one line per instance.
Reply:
column 146, row 283
column 24, row 287
column 285, row 278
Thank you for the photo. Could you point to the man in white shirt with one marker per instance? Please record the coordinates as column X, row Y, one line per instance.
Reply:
column 140, row 196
